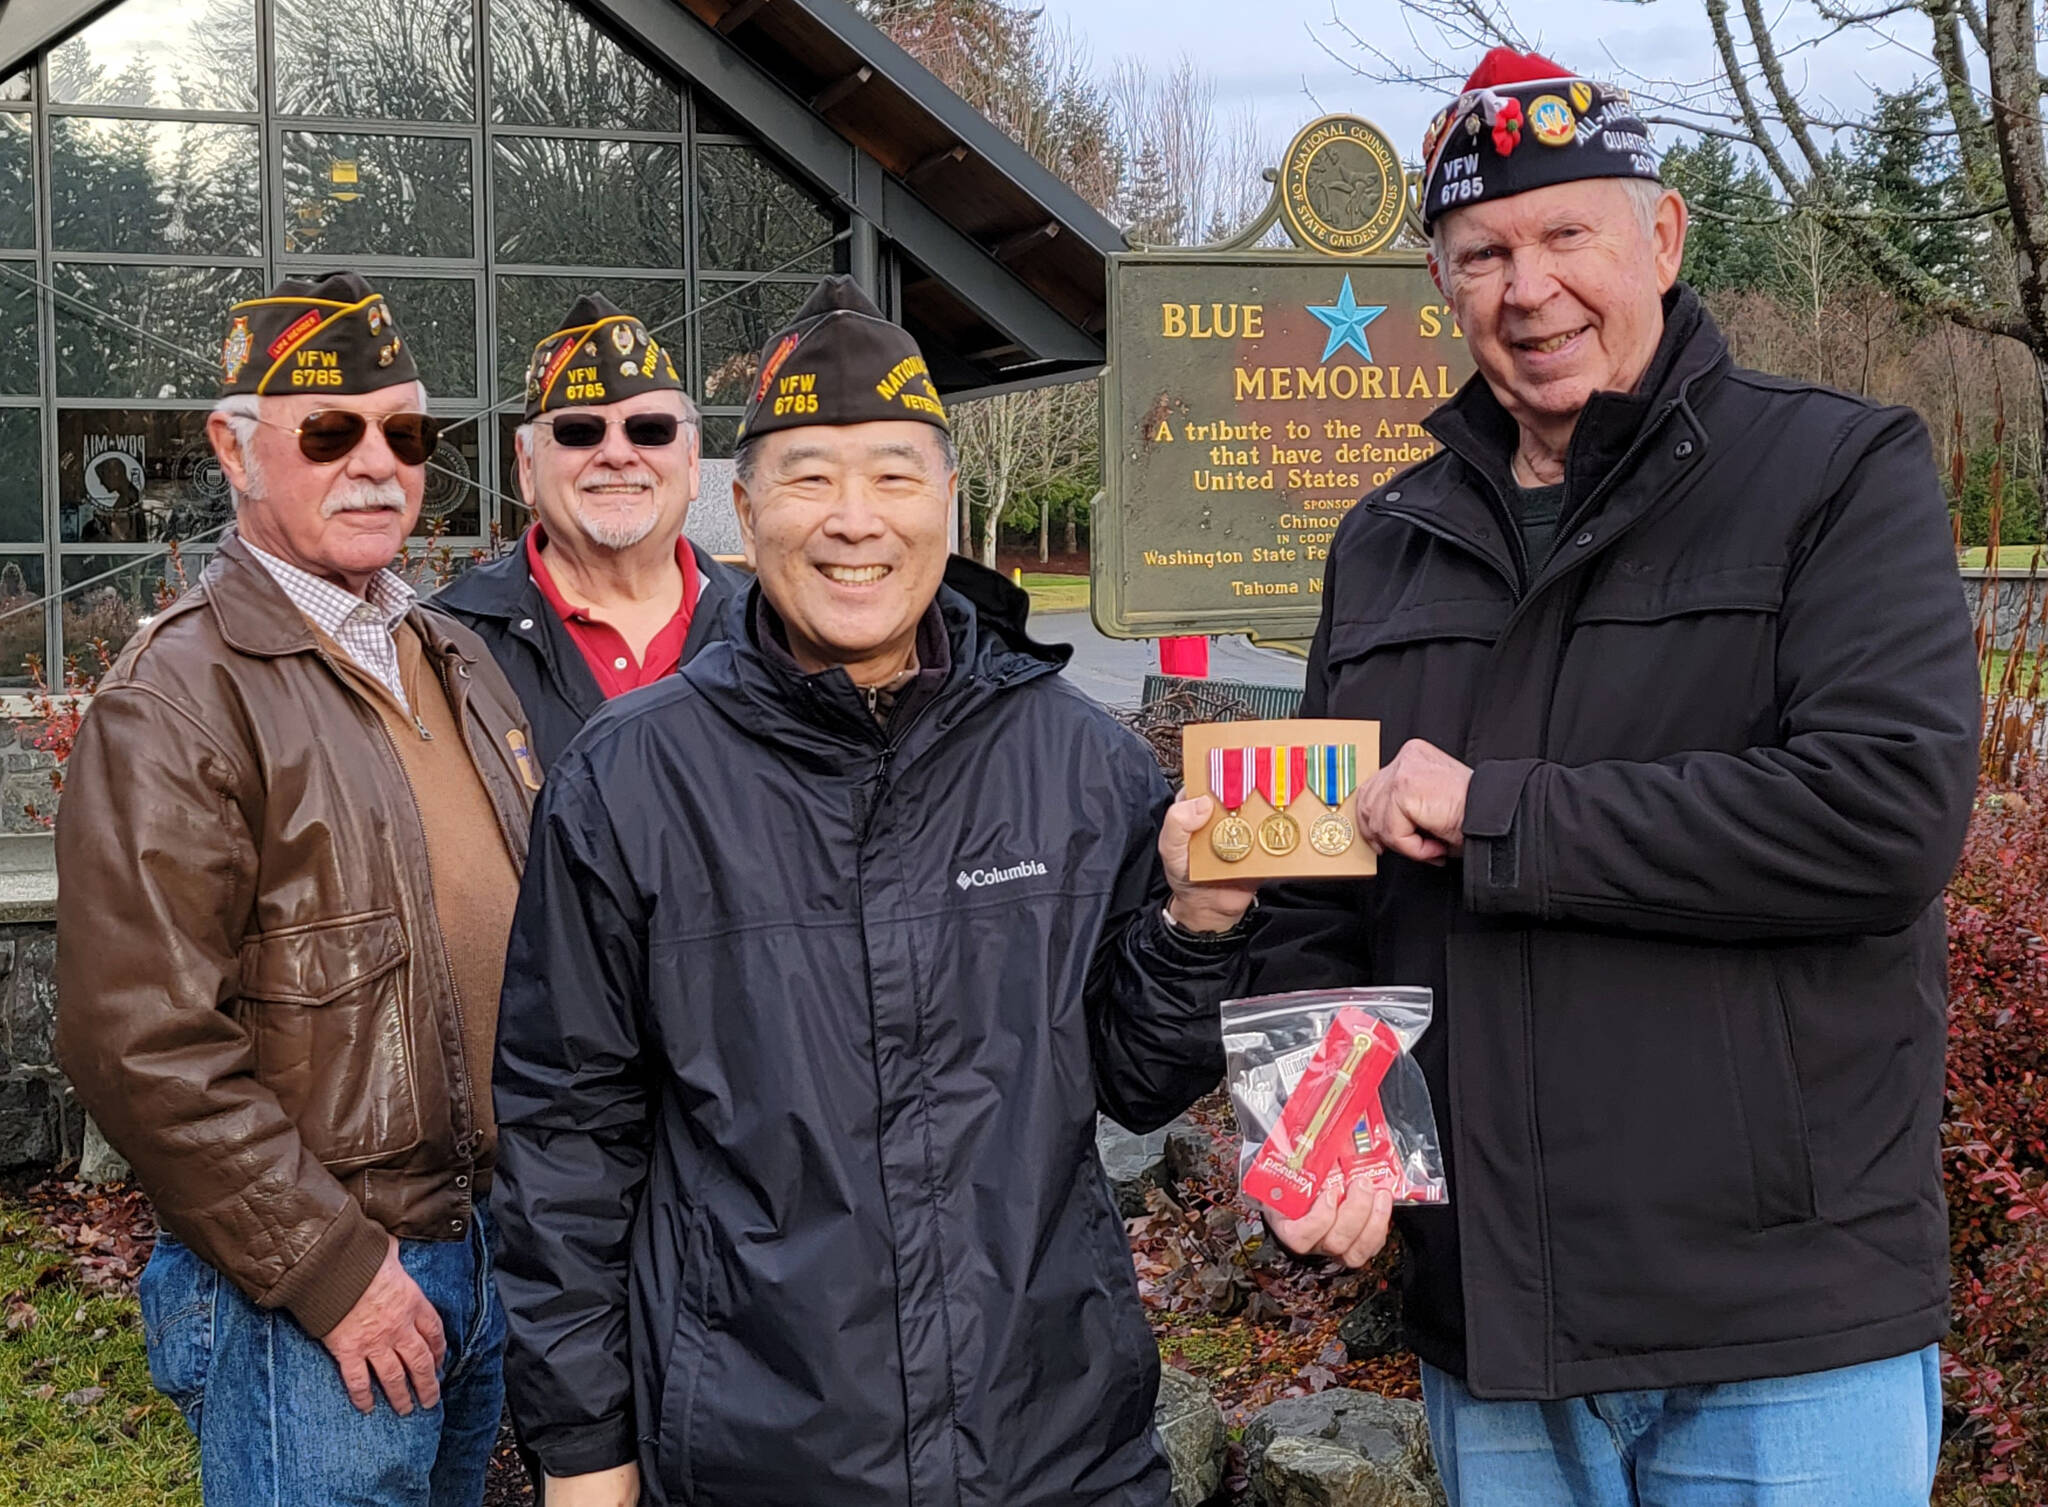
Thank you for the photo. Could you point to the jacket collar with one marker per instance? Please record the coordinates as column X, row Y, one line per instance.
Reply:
column 824, row 715
column 1480, row 436
column 256, row 617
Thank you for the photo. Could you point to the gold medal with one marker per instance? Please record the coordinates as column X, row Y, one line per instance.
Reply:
column 1231, row 838
column 1279, row 835
column 1230, row 835
column 1331, row 835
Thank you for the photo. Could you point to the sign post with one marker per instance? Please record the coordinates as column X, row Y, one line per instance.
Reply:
column 1254, row 395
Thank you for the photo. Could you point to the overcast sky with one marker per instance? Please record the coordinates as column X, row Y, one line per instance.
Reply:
column 1270, row 54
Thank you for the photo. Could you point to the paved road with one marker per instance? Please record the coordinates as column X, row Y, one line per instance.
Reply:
column 1113, row 670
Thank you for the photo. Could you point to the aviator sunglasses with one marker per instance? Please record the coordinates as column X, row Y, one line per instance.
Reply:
column 327, row 434
column 586, row 431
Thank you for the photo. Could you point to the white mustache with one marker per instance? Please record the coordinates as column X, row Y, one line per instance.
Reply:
column 617, row 479
column 358, row 495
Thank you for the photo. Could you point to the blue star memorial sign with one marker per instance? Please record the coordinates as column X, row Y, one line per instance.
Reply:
column 1347, row 319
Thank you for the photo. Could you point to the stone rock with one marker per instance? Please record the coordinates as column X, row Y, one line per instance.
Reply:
column 1192, row 1433
column 1135, row 1163
column 1373, row 1328
column 1191, row 1152
column 1341, row 1448
column 99, row 1163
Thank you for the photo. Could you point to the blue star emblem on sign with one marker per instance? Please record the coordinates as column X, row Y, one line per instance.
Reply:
column 1347, row 319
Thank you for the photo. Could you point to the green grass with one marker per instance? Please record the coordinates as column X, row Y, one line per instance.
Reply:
column 1056, row 593
column 2010, row 557
column 60, row 1443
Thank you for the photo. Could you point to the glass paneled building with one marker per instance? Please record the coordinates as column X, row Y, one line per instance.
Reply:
column 482, row 162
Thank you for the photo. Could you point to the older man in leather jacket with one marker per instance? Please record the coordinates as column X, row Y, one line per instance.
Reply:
column 290, row 839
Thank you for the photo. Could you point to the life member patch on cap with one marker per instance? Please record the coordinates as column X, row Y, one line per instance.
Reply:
column 334, row 335
column 600, row 354
column 840, row 362
column 1522, row 123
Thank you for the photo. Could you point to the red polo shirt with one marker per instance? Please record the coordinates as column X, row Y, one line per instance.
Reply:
column 610, row 658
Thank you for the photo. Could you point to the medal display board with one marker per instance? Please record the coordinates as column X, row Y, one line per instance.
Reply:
column 1286, row 794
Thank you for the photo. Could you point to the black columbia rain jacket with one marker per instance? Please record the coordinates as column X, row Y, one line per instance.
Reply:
column 805, row 1027
column 1691, row 967
column 499, row 602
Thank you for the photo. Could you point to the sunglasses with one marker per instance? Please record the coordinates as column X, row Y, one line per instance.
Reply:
column 327, row 434
column 586, row 431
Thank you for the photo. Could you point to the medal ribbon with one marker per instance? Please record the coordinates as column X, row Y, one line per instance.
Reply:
column 1333, row 772
column 1227, row 776
column 1280, row 773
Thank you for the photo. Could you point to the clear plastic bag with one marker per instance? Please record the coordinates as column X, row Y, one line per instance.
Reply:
column 1323, row 1081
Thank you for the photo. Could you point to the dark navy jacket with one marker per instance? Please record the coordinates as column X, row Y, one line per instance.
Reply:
column 805, row 1027
column 1691, row 966
column 500, row 603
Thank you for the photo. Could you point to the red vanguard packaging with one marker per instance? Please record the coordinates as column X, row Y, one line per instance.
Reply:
column 1323, row 1083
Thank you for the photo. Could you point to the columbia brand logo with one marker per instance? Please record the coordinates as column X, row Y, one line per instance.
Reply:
column 975, row 879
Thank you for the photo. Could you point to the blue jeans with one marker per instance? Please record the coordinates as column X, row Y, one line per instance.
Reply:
column 275, row 1426
column 1868, row 1435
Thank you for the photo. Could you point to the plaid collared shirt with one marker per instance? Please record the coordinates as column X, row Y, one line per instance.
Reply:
column 362, row 627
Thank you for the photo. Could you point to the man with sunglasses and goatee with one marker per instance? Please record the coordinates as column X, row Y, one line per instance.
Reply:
column 291, row 838
column 603, row 594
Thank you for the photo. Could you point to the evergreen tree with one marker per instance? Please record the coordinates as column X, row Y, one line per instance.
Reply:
column 1725, row 247
column 1903, row 165
column 1151, row 215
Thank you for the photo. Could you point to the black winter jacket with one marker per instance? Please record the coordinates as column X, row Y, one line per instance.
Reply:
column 1692, row 964
column 500, row 603
column 804, row 1032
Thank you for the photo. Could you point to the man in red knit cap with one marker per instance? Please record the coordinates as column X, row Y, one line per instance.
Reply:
column 1686, row 717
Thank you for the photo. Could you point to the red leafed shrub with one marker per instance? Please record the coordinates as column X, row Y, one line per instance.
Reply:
column 1996, row 1142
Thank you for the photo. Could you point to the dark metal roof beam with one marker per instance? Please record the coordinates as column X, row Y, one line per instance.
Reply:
column 1009, row 250
column 28, row 26
column 744, row 90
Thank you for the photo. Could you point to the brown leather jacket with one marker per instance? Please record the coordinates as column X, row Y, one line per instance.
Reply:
column 253, row 997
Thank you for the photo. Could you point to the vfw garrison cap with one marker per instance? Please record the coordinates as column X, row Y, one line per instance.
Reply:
column 840, row 362
column 601, row 354
column 331, row 334
column 1524, row 122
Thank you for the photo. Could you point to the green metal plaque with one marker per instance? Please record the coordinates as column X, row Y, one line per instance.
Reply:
column 1251, row 398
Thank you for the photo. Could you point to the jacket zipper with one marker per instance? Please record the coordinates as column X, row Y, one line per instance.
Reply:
column 461, row 1064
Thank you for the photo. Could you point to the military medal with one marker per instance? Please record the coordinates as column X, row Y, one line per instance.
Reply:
column 1279, row 772
column 1332, row 776
column 1231, row 835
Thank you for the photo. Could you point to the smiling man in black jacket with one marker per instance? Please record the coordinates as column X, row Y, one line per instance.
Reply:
column 830, row 950
column 1681, row 681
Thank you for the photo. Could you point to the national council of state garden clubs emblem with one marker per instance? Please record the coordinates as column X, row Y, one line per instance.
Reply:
column 234, row 351
column 1342, row 188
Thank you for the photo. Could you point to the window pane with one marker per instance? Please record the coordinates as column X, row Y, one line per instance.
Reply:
column 101, row 353
column 17, row 179
column 375, row 60
column 752, row 218
column 551, row 67
column 20, row 350
column 721, row 430
column 452, row 497
column 153, row 185
column 173, row 54
column 438, row 316
column 590, row 203
column 109, row 611
column 21, row 621
column 21, row 475
column 132, row 476
column 513, row 514
column 530, row 307
column 376, row 195
column 21, row 86
column 734, row 329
